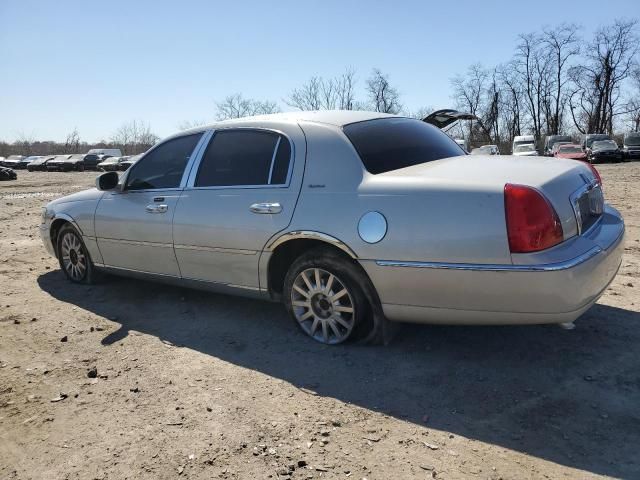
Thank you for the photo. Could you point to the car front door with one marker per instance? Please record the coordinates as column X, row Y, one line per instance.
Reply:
column 133, row 223
column 242, row 192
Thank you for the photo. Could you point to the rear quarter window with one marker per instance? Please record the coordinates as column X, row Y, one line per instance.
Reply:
column 387, row 144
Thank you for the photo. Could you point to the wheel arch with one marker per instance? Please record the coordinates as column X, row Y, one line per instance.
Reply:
column 286, row 248
column 57, row 223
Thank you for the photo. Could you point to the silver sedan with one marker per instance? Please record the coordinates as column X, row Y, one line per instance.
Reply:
column 352, row 220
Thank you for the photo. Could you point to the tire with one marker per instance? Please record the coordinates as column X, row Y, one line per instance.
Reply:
column 343, row 308
column 80, row 168
column 73, row 256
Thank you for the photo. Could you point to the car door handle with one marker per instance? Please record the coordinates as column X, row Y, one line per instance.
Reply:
column 157, row 208
column 266, row 208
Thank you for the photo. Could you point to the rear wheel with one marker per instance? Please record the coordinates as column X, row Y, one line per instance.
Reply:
column 73, row 256
column 324, row 294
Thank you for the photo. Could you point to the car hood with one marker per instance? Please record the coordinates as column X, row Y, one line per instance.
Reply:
column 83, row 196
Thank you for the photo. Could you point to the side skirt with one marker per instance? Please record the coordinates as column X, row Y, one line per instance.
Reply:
column 224, row 288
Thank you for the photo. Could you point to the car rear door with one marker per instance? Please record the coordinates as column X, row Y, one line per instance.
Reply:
column 133, row 224
column 242, row 192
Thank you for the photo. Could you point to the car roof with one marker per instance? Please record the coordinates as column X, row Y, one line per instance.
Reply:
column 338, row 118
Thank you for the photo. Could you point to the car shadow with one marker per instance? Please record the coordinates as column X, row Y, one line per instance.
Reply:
column 570, row 397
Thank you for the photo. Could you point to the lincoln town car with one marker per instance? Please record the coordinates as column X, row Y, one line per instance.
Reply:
column 353, row 220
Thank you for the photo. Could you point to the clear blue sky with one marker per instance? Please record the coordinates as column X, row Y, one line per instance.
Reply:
column 95, row 65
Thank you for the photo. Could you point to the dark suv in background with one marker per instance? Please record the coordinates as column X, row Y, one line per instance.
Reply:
column 631, row 146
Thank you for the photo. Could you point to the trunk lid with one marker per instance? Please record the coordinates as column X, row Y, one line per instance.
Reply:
column 562, row 181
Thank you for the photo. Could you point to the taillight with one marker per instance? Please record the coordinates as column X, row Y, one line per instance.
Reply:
column 595, row 173
column 532, row 223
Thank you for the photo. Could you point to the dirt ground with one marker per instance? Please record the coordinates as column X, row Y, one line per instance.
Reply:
column 196, row 385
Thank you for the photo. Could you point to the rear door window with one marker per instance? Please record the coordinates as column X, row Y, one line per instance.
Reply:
column 245, row 158
column 387, row 144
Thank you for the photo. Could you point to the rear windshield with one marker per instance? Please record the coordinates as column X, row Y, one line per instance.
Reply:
column 387, row 144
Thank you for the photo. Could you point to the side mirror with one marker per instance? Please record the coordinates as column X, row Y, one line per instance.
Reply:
column 107, row 181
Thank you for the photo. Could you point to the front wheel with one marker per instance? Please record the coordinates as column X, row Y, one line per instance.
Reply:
column 73, row 256
column 323, row 293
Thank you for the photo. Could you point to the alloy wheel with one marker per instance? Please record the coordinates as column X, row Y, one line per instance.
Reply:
column 74, row 259
column 323, row 306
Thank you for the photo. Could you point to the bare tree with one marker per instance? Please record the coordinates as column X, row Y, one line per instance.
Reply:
column 477, row 93
column 72, row 142
column 236, row 106
column 511, row 99
column 561, row 43
column 533, row 67
column 419, row 113
column 345, row 90
column 382, row 96
column 189, row 124
column 134, row 137
column 610, row 60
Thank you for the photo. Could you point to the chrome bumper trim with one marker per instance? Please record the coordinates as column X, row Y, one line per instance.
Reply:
column 550, row 267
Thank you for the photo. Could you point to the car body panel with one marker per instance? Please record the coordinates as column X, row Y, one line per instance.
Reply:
column 444, row 256
column 216, row 235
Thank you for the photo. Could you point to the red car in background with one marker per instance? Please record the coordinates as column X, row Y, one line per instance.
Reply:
column 572, row 151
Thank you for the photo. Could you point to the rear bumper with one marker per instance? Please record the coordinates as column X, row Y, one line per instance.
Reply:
column 555, row 291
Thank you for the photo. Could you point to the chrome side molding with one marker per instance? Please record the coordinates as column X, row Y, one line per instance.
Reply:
column 549, row 267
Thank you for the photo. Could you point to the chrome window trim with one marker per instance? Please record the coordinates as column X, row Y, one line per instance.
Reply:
column 273, row 160
column 187, row 167
column 548, row 267
column 196, row 166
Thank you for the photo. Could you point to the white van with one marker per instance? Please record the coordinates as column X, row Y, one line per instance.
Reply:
column 522, row 140
column 112, row 152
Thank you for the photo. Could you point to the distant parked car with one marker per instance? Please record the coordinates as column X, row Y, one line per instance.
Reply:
column 112, row 152
column 12, row 161
column 486, row 150
column 556, row 146
column 125, row 164
column 40, row 164
column 111, row 164
column 90, row 161
column 59, row 163
column 24, row 163
column 604, row 151
column 525, row 150
column 7, row 174
column 587, row 140
column 552, row 140
column 631, row 146
column 522, row 140
column 570, row 150
column 77, row 162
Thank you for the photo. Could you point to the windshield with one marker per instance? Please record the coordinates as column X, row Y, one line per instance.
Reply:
column 604, row 145
column 632, row 139
column 527, row 147
column 553, row 139
column 570, row 149
column 387, row 144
